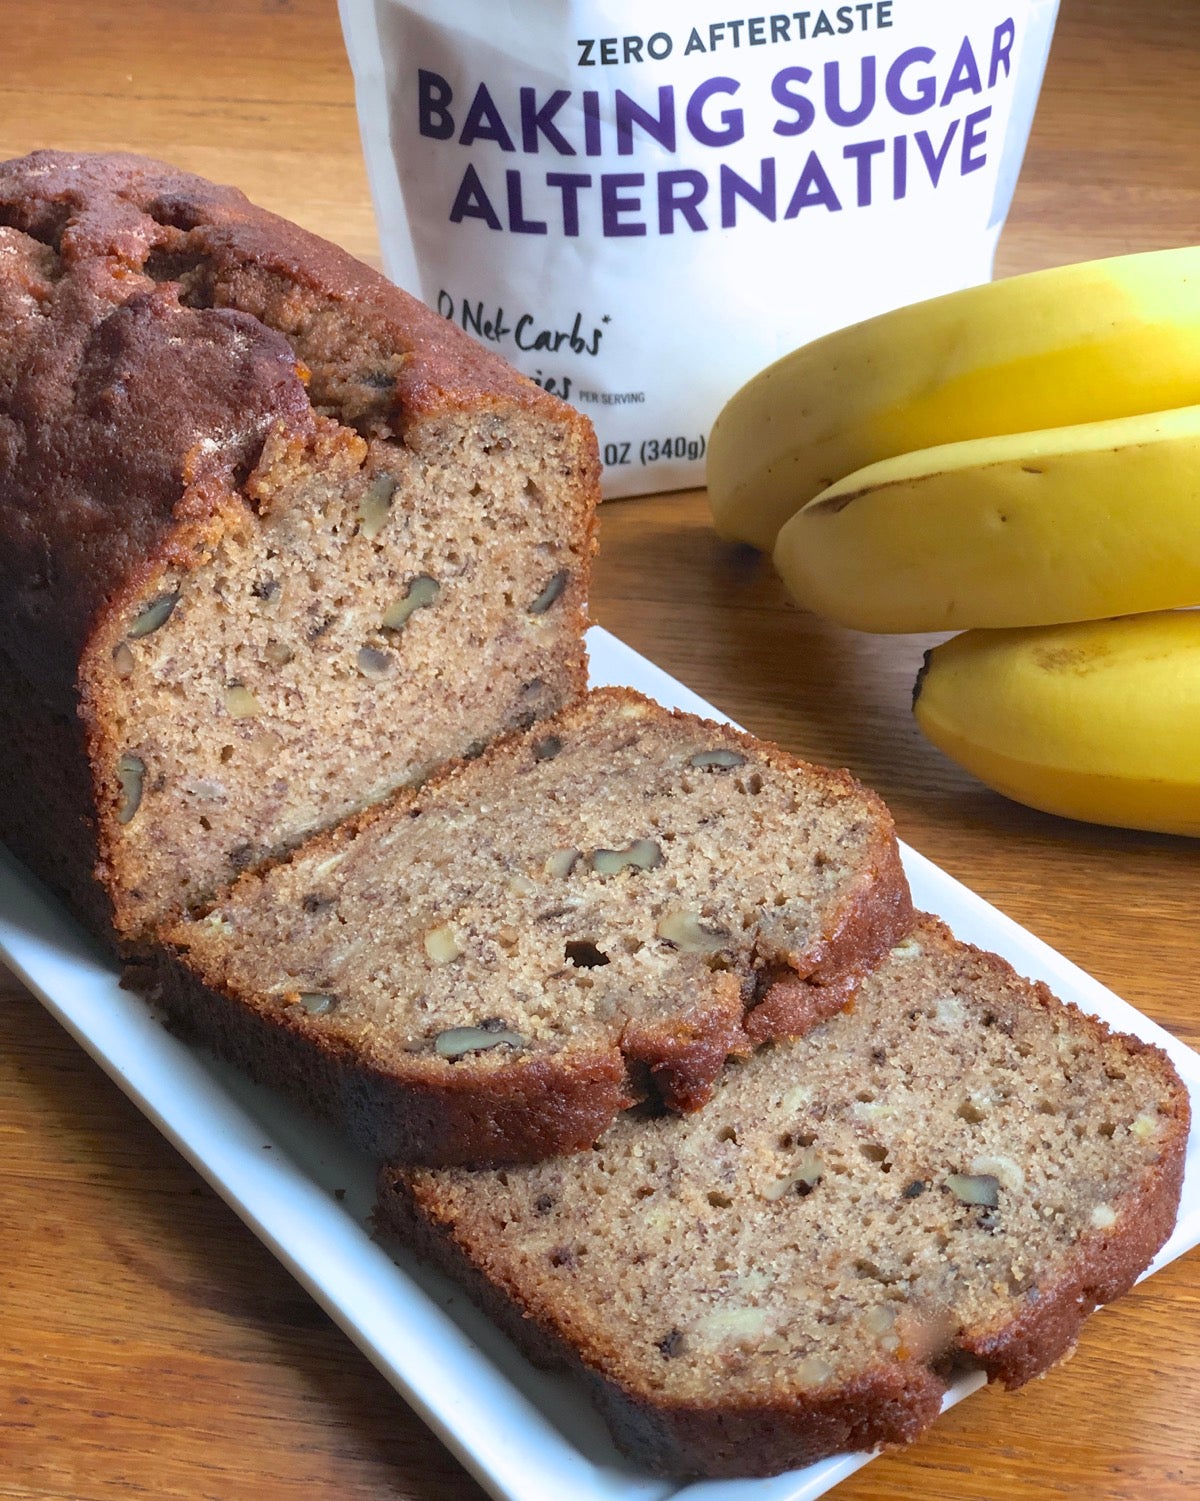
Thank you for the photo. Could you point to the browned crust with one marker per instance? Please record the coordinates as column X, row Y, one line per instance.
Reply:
column 746, row 1435
column 1106, row 1263
column 47, row 822
column 683, row 1054
column 723, row 1439
column 875, row 917
column 131, row 417
column 115, row 200
column 485, row 1114
column 544, row 1105
column 465, row 1115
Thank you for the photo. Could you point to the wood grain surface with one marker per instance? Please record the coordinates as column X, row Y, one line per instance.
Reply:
column 149, row 1346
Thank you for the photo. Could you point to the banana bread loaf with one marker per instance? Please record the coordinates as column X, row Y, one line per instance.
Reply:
column 604, row 909
column 957, row 1169
column 275, row 537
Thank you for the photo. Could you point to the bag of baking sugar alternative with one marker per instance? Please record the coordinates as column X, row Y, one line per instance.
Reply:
column 641, row 203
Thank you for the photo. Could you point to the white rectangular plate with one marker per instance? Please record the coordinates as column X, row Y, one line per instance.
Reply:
column 526, row 1435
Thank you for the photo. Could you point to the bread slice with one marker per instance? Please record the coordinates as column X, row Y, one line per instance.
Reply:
column 956, row 1169
column 490, row 968
column 275, row 537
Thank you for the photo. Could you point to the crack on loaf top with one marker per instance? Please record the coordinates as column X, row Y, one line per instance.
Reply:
column 351, row 367
column 120, row 227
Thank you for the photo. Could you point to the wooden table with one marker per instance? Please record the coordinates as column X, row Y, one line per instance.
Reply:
column 148, row 1344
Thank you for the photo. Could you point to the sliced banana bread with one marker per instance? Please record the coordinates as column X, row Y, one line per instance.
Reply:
column 276, row 538
column 493, row 966
column 956, row 1169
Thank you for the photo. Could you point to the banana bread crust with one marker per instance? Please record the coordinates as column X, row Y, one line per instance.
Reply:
column 718, row 1440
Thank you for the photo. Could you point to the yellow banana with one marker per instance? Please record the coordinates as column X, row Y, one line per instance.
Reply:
column 1098, row 720
column 1071, row 523
column 1080, row 343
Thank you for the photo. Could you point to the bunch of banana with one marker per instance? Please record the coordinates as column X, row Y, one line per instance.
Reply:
column 1020, row 455
column 1113, row 338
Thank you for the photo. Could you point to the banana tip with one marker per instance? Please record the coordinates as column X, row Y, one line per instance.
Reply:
column 926, row 664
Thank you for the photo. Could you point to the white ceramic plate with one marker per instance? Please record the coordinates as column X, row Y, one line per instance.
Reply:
column 526, row 1435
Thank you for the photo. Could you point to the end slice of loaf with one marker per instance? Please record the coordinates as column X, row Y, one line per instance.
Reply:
column 274, row 537
column 957, row 1169
column 493, row 966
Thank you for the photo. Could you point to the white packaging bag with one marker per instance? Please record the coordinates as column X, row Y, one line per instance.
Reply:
column 642, row 204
